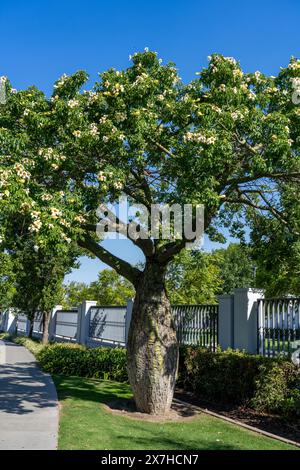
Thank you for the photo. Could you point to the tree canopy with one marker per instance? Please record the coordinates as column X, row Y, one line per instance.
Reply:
column 222, row 140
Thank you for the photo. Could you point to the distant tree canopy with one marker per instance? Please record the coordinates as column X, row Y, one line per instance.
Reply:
column 276, row 247
column 109, row 289
column 237, row 268
column 7, row 281
column 198, row 277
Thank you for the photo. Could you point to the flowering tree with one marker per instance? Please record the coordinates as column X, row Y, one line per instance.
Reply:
column 224, row 140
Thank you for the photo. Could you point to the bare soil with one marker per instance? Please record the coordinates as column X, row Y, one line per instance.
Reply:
column 179, row 411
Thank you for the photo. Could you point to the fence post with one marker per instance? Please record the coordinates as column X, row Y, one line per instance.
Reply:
column 10, row 322
column 226, row 321
column 27, row 330
column 52, row 323
column 83, row 320
column 128, row 318
column 246, row 319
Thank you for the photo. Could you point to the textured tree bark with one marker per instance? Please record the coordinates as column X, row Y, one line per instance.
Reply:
column 30, row 332
column 46, row 321
column 152, row 344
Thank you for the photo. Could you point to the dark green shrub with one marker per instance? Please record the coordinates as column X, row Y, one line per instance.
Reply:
column 67, row 359
column 277, row 389
column 236, row 377
column 290, row 407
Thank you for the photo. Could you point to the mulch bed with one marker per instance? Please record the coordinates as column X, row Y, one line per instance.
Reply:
column 266, row 422
column 126, row 407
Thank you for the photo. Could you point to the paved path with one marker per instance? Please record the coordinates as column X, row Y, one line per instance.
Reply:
column 28, row 402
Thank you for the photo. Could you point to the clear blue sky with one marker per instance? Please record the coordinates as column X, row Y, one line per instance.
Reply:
column 41, row 40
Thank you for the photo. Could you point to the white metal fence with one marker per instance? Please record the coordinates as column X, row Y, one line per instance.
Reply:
column 245, row 321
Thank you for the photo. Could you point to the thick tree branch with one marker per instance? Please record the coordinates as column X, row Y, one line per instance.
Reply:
column 168, row 252
column 138, row 237
column 122, row 267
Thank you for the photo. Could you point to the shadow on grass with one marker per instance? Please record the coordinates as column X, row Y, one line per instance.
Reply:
column 88, row 389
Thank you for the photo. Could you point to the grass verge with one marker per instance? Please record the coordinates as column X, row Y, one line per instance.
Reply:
column 33, row 345
column 86, row 425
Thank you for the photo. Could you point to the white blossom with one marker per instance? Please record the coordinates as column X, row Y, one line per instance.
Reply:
column 55, row 213
column 214, row 108
column 294, row 65
column 101, row 176
column 237, row 73
column 21, row 172
column 61, row 81
column 237, row 115
column 46, row 197
column 117, row 89
column 35, row 226
column 295, row 82
column 120, row 117
column 94, row 129
column 73, row 103
column 103, row 119
column 77, row 133
column 67, row 239
column 199, row 138
column 80, row 218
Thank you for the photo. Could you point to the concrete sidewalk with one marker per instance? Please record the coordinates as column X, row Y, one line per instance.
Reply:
column 28, row 402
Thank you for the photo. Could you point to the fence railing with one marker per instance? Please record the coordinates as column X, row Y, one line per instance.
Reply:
column 279, row 327
column 197, row 325
column 108, row 324
column 244, row 320
column 38, row 325
column 66, row 324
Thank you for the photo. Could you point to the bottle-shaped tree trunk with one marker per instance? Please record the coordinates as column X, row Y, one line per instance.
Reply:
column 152, row 344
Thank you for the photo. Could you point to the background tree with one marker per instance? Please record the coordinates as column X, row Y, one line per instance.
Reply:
column 39, row 279
column 109, row 289
column 74, row 293
column 236, row 267
column 7, row 277
column 224, row 140
column 276, row 247
column 194, row 277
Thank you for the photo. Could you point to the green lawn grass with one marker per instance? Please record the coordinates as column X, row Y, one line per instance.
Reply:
column 32, row 344
column 85, row 424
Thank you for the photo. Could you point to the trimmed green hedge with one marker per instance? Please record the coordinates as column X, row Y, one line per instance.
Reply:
column 265, row 384
column 69, row 359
